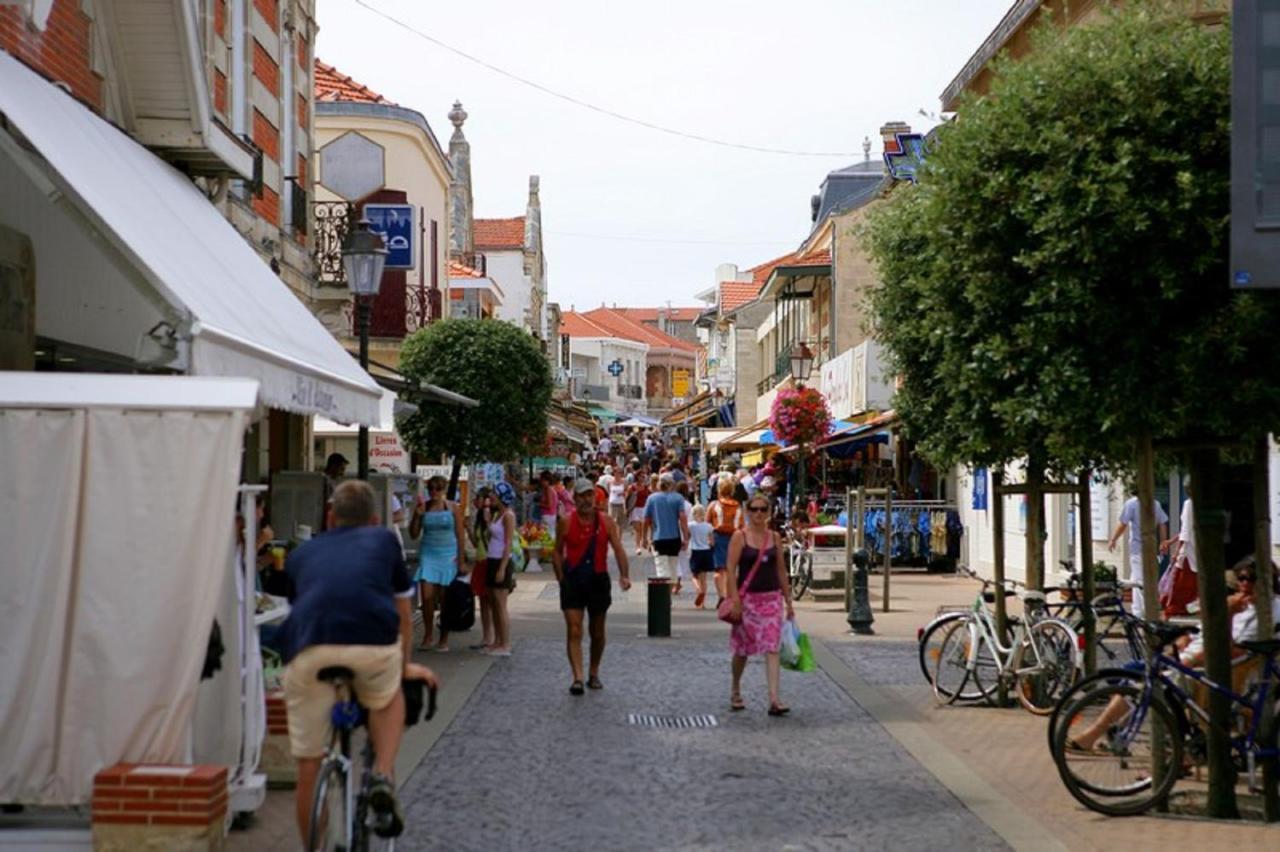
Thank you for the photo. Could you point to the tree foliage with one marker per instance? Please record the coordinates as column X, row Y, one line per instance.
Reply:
column 1058, row 279
column 494, row 363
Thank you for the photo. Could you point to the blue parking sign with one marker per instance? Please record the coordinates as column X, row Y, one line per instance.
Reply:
column 394, row 222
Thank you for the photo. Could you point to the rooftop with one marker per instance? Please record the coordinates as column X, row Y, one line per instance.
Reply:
column 651, row 314
column 499, row 233
column 735, row 294
column 333, row 85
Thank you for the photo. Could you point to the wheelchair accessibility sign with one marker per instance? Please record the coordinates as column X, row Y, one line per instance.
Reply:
column 394, row 223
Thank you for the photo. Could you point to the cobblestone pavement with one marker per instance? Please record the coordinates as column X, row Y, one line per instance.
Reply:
column 526, row 765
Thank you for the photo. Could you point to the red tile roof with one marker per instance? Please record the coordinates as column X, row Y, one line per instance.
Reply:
column 735, row 294
column 621, row 326
column 576, row 325
column 461, row 270
column 760, row 274
column 651, row 314
column 333, row 85
column 499, row 233
column 820, row 257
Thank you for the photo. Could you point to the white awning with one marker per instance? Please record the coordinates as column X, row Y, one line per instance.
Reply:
column 243, row 320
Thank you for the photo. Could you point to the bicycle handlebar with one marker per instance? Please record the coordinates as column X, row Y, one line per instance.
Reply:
column 1008, row 581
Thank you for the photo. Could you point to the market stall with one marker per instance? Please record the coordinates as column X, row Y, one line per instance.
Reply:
column 119, row 555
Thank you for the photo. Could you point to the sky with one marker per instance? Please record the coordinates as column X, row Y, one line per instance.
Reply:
column 633, row 216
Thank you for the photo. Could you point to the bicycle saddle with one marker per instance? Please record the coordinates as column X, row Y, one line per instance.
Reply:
column 990, row 597
column 329, row 674
column 1261, row 646
column 1032, row 596
column 1167, row 633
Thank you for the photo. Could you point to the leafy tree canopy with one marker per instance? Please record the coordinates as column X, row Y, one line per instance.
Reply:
column 494, row 363
column 1057, row 282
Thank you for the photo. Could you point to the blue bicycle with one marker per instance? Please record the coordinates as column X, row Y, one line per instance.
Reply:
column 1107, row 739
column 341, row 819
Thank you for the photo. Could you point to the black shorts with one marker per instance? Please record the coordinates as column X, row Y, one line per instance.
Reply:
column 702, row 561
column 667, row 546
column 593, row 593
column 491, row 582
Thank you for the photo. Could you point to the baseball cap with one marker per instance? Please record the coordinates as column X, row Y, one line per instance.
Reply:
column 583, row 486
column 336, row 458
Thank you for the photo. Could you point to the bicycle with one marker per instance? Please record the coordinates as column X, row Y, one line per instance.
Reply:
column 929, row 647
column 1115, row 776
column 341, row 819
column 799, row 565
column 1107, row 607
column 973, row 649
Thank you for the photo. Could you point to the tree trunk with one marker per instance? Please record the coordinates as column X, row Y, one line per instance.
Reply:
column 1035, row 522
column 1262, row 561
column 1085, row 566
column 1146, row 465
column 1206, row 492
column 452, row 493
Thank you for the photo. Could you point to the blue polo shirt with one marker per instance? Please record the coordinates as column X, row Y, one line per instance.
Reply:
column 345, row 582
column 663, row 511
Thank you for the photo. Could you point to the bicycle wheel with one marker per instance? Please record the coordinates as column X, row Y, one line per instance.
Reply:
column 930, row 641
column 951, row 667
column 801, row 574
column 1114, row 776
column 986, row 671
column 1102, row 678
column 1046, row 665
column 330, row 821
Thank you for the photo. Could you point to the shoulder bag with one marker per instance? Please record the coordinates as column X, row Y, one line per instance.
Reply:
column 724, row 611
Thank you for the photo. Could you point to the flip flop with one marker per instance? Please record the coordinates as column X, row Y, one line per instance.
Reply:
column 1072, row 745
column 779, row 710
column 575, row 688
column 736, row 703
column 593, row 682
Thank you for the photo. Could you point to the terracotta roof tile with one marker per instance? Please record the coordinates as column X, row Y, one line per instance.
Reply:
column 461, row 270
column 333, row 85
column 651, row 314
column 760, row 274
column 735, row 294
column 576, row 325
column 629, row 329
column 499, row 233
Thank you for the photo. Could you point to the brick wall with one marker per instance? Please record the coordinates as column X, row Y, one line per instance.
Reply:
column 62, row 52
column 277, row 714
column 302, row 111
column 265, row 136
column 266, row 69
column 126, row 794
column 268, row 205
column 220, row 17
column 270, row 12
column 220, row 92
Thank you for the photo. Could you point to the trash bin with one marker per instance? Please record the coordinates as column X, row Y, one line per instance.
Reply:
column 659, row 606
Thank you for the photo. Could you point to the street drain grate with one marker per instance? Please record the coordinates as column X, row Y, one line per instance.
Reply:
column 648, row 720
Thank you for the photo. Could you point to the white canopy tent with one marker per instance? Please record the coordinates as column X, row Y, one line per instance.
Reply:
column 118, row 537
column 158, row 252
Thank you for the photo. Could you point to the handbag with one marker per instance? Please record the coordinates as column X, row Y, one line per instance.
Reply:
column 724, row 611
column 1178, row 587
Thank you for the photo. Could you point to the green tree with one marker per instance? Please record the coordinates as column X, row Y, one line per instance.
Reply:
column 1056, row 286
column 494, row 363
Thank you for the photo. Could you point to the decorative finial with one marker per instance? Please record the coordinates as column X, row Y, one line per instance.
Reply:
column 866, row 149
column 457, row 115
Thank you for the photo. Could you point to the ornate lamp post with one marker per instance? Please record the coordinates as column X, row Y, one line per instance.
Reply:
column 363, row 256
column 801, row 369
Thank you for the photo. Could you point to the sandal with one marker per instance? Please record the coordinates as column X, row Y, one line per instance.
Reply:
column 1072, row 745
column 779, row 709
column 575, row 688
column 736, row 703
column 593, row 682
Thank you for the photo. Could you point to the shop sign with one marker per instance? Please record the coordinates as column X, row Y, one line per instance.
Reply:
column 837, row 385
column 394, row 223
column 980, row 489
column 680, row 381
column 387, row 454
column 869, row 390
column 1099, row 509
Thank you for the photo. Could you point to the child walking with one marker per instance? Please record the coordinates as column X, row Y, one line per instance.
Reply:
column 701, row 555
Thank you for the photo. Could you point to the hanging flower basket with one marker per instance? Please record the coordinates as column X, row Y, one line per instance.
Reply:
column 799, row 416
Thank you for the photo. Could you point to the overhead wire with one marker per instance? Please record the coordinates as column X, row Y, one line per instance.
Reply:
column 629, row 119
column 648, row 239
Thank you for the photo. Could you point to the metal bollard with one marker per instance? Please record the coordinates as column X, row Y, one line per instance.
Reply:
column 860, row 617
column 659, row 607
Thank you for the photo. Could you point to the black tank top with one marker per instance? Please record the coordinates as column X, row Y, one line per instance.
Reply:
column 766, row 578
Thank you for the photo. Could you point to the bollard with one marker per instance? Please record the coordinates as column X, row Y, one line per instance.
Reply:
column 860, row 616
column 659, row 607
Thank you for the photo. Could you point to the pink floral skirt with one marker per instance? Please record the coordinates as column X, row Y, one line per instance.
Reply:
column 760, row 631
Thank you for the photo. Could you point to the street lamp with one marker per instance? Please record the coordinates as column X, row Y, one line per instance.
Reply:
column 363, row 256
column 801, row 369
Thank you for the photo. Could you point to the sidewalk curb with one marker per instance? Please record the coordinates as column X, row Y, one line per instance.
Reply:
column 1002, row 816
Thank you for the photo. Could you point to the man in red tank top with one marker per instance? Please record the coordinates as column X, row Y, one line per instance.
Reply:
column 581, row 563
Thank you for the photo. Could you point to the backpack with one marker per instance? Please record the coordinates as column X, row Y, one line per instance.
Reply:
column 727, row 516
column 458, row 612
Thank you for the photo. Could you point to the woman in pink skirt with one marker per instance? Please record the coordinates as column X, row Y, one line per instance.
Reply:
column 761, row 592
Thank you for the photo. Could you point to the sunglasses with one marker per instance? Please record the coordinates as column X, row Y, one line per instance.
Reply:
column 1246, row 578
column 757, row 508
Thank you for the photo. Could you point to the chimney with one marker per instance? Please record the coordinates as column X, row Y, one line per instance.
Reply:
column 889, row 134
column 532, row 225
column 815, row 204
column 462, row 245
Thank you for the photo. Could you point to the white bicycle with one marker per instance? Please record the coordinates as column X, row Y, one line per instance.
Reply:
column 1040, row 663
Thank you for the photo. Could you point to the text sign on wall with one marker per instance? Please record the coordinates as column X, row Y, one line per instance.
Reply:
column 837, row 384
column 1099, row 509
column 387, row 454
column 394, row 223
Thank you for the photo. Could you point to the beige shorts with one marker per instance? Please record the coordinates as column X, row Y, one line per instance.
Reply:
column 310, row 700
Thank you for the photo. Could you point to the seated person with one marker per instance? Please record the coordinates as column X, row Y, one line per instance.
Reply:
column 1244, row 628
column 351, row 607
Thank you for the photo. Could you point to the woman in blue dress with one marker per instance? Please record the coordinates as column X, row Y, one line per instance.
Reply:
column 440, row 552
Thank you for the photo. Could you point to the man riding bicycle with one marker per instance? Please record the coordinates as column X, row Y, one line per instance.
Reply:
column 351, row 607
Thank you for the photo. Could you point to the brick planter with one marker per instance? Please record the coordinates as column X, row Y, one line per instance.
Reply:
column 181, row 808
column 277, row 761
